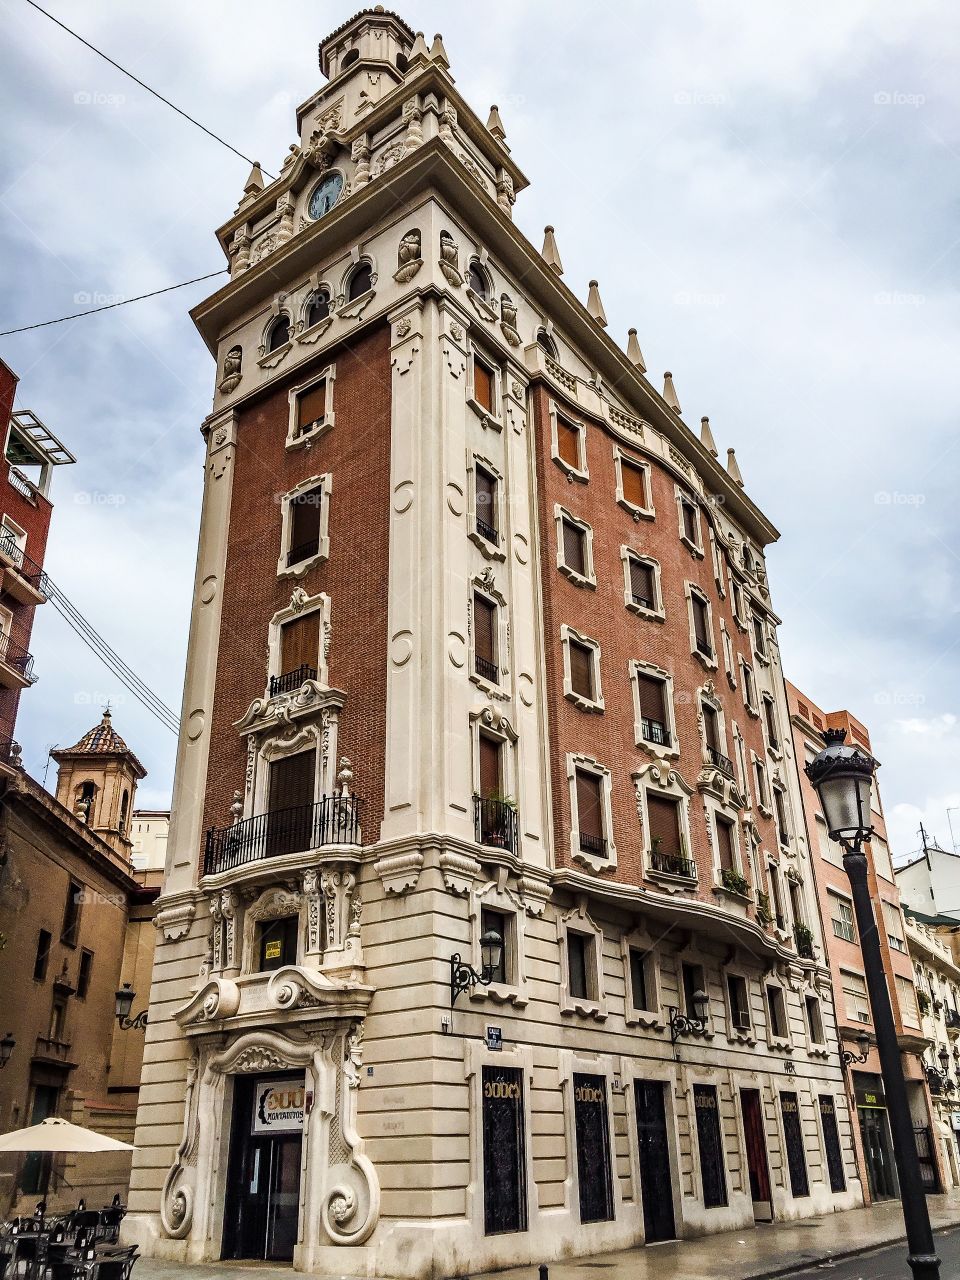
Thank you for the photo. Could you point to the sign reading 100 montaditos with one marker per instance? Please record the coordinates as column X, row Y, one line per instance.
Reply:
column 278, row 1107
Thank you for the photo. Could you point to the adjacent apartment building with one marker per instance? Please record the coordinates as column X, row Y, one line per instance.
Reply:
column 482, row 647
column 853, row 1012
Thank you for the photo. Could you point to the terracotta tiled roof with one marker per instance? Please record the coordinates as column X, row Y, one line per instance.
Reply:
column 102, row 739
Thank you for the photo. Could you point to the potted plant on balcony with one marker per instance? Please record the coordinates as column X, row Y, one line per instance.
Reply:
column 923, row 1001
column 803, row 937
column 497, row 816
column 734, row 882
column 764, row 914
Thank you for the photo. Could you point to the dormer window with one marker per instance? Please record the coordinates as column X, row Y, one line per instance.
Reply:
column 319, row 308
column 279, row 333
column 361, row 282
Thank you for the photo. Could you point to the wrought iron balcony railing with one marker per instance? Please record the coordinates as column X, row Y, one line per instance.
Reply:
column 303, row 552
column 495, row 823
column 487, row 531
column 291, row 680
column 28, row 569
column 655, row 731
column 332, row 820
column 721, row 762
column 596, row 846
column 488, row 670
column 673, row 864
column 16, row 656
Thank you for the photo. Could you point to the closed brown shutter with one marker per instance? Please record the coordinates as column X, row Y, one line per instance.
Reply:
column 486, row 490
column 689, row 522
column 568, row 443
column 634, row 484
column 305, row 525
column 725, row 844
column 490, row 782
column 581, row 668
column 484, row 615
column 641, row 583
column 574, row 552
column 483, row 386
column 300, row 643
column 312, row 406
column 711, row 727
column 651, row 693
column 664, row 816
column 589, row 814
column 700, row 628
column 292, row 781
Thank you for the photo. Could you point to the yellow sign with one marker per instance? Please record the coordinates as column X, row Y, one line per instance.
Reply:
column 272, row 950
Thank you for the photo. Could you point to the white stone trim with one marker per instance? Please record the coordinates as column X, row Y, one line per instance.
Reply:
column 325, row 484
column 492, row 417
column 572, row 1063
column 685, row 496
column 308, row 438
column 484, row 585
column 496, row 896
column 577, row 920
column 492, row 551
column 729, row 661
column 691, row 589
column 763, row 802
column 775, row 752
column 782, row 1044
column 639, row 939
column 661, row 778
column 589, row 578
column 639, row 513
column 582, row 471
column 299, row 606
column 476, row 1056
column 748, row 679
column 636, row 667
column 578, row 699
column 588, row 764
column 737, row 1034
column 658, row 612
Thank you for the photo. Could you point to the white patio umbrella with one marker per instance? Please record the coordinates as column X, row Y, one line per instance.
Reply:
column 55, row 1134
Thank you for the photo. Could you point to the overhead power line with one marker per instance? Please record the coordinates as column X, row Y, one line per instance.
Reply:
column 108, row 306
column 136, row 80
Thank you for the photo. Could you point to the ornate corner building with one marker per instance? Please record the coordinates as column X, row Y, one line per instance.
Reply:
column 482, row 644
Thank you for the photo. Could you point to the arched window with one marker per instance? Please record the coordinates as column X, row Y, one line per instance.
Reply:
column 349, row 58
column 546, row 343
column 85, row 800
column 319, row 308
column 124, row 806
column 360, row 282
column 403, row 62
column 477, row 280
column 279, row 334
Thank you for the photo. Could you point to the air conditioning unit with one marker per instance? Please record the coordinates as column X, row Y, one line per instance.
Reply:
column 741, row 1020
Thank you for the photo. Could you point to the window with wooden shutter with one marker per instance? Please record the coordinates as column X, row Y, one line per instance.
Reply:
column 725, row 844
column 711, row 726
column 581, row 669
column 759, row 636
column 701, row 626
column 773, row 738
column 311, row 407
column 482, row 385
column 484, row 637
column 642, row 586
column 491, row 779
column 663, row 815
column 290, row 804
column 652, row 696
column 689, row 515
column 574, row 548
column 300, row 645
column 568, row 443
column 304, row 525
column 633, row 481
column 590, row 813
column 485, row 489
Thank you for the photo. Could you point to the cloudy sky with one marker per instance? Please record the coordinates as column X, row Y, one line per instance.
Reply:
column 769, row 193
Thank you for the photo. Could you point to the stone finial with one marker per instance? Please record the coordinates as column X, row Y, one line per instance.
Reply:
column 595, row 306
column 733, row 470
column 419, row 54
column 345, row 776
column 495, row 124
column 706, row 437
column 254, row 184
column 236, row 809
column 634, row 354
column 670, row 392
column 550, row 253
column 438, row 53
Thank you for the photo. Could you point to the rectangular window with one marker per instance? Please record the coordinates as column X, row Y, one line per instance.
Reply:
column 574, row 547
column 760, row 778
column 652, row 693
column 739, row 1002
column 907, row 999
column 590, row 813
column 579, row 961
column 710, row 1141
column 311, row 408
column 491, row 755
column 304, row 525
column 582, row 658
column 277, row 941
column 486, row 504
column 701, row 626
column 634, row 484
column 290, row 824
column 770, row 719
column 831, row 1140
column 778, row 1013
column 482, row 385
column 759, row 637
column 814, row 1020
column 793, row 1135
column 776, row 897
column 71, row 914
column 83, row 974
column 568, row 443
column 725, row 847
column 42, row 958
column 666, row 846
column 894, row 923
column 504, row 1160
column 749, row 692
column 694, row 980
column 593, row 1148
column 856, row 1000
column 639, row 996
column 484, row 638
column 780, row 807
column 688, row 513
column 498, row 922
column 299, row 650
column 841, row 917
column 642, row 583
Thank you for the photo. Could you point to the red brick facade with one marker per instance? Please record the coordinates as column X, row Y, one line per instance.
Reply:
column 356, row 452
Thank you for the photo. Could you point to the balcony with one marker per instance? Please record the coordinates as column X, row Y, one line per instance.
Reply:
column 23, row 579
column 53, row 1053
column 672, row 864
column 488, row 532
column 16, row 665
column 952, row 1019
column 655, row 731
column 720, row 762
column 291, row 680
column 304, row 552
column 487, row 670
column 333, row 820
column 495, row 823
column 596, row 846
column 803, row 940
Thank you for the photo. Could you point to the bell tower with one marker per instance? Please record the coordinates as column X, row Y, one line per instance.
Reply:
column 97, row 781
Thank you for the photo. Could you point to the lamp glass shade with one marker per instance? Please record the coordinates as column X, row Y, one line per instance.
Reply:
column 125, row 998
column 843, row 779
column 944, row 1057
column 863, row 1043
column 491, row 951
column 700, row 1004
column 7, row 1045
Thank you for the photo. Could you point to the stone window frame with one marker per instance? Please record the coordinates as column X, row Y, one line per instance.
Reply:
column 816, row 1048
column 763, row 804
column 581, row 472
column 589, row 764
column 492, row 417
column 768, row 700
column 578, row 920
column 736, row 598
column 656, row 614
column 595, row 704
column 729, row 655
column 668, row 784
column 582, row 1062
column 639, row 939
column 344, row 303
column 717, row 560
column 638, row 666
column 778, row 787
column 621, row 456
column 308, row 737
column 707, row 694
column 328, row 375
column 713, row 809
column 686, row 497
column 589, row 578
column 319, row 327
column 783, row 1044
column 319, row 603
column 740, row 757
column 267, row 358
column 691, row 589
column 492, row 724
column 492, row 551
column 324, row 483
column 748, row 678
column 738, row 1035
column 759, row 655
column 496, row 896
column 477, row 585
column 288, row 904
column 725, row 1093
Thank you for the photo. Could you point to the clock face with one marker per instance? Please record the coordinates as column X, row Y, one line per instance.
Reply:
column 326, row 195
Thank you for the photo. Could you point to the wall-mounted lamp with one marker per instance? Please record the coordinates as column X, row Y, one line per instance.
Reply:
column 463, row 977
column 847, row 1056
column 685, row 1024
column 125, row 997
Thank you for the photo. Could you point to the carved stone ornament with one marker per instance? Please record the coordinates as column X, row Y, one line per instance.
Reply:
column 219, row 998
column 174, row 918
column 450, row 259
column 232, row 372
column 404, row 326
column 388, row 159
column 176, row 1199
column 399, row 871
column 508, row 320
column 535, row 895
column 409, row 260
column 459, row 871
column 517, row 390
column 456, row 332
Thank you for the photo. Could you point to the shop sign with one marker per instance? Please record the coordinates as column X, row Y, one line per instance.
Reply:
column 278, row 1106
column 955, row 1120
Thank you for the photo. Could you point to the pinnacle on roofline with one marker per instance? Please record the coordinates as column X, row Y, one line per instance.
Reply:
column 595, row 306
column 733, row 470
column 634, row 354
column 670, row 392
column 495, row 124
column 706, row 437
column 550, row 253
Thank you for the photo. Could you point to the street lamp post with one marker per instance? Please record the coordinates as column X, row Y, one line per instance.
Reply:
column 843, row 778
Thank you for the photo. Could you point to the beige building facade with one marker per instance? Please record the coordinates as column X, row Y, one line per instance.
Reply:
column 522, row 678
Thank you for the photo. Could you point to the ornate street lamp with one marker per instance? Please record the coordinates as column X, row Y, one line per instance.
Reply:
column 7, row 1046
column 124, row 1003
column 843, row 779
column 463, row 977
column 847, row 1056
column 685, row 1024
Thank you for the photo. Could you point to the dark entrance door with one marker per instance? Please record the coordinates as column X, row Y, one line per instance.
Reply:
column 793, row 1134
column 928, row 1163
column 35, row 1174
column 831, row 1140
column 593, row 1148
column 263, row 1182
column 656, row 1185
column 757, row 1165
column 504, row 1171
column 710, row 1140
column 876, row 1152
